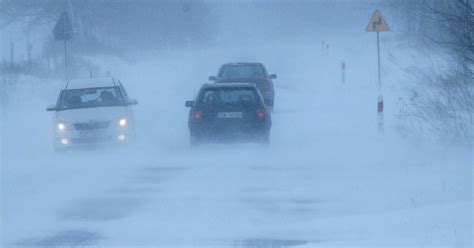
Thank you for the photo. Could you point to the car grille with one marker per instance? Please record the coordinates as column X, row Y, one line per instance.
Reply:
column 92, row 125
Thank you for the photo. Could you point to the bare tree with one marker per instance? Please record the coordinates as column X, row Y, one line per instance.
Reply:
column 120, row 24
column 455, row 19
column 443, row 101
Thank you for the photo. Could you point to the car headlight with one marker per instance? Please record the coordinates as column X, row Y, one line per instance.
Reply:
column 61, row 126
column 122, row 122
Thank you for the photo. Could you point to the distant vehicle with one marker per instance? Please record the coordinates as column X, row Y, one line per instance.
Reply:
column 229, row 112
column 92, row 111
column 248, row 73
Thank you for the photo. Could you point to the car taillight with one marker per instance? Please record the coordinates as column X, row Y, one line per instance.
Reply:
column 197, row 115
column 261, row 115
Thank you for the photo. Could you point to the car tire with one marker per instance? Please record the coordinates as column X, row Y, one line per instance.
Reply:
column 59, row 150
column 194, row 140
column 265, row 138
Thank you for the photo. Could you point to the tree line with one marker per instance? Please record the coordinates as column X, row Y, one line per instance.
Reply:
column 446, row 100
column 108, row 26
column 119, row 24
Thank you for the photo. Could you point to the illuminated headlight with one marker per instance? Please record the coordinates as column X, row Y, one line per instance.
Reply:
column 64, row 141
column 121, row 137
column 62, row 126
column 122, row 122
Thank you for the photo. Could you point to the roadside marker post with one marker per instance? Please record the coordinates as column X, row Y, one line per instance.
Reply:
column 380, row 112
column 378, row 24
column 343, row 67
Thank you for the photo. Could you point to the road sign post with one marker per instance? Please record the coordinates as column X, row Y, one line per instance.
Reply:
column 66, row 70
column 64, row 31
column 377, row 24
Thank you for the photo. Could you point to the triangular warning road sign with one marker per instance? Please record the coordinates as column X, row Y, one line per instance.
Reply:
column 377, row 23
column 63, row 30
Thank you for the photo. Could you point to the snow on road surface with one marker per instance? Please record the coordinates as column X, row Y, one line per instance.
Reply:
column 327, row 180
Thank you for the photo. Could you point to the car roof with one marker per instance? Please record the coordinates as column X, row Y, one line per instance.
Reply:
column 228, row 85
column 243, row 63
column 91, row 83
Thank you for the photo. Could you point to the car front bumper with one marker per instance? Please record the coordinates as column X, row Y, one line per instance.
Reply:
column 92, row 137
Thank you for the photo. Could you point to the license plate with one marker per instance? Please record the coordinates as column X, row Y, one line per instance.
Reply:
column 229, row 115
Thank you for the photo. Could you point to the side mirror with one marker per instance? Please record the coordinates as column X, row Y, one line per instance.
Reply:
column 51, row 107
column 273, row 76
column 132, row 102
column 212, row 78
column 189, row 104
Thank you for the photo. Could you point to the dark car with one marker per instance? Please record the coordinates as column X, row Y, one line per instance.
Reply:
column 229, row 112
column 248, row 73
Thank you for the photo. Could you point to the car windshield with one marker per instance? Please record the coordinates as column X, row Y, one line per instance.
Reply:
column 228, row 96
column 242, row 71
column 90, row 97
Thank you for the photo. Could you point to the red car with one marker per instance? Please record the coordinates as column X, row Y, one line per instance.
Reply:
column 255, row 73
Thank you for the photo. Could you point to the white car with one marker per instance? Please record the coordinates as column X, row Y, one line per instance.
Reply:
column 92, row 111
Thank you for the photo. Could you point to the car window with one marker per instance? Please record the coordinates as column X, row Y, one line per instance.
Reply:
column 90, row 97
column 242, row 71
column 228, row 96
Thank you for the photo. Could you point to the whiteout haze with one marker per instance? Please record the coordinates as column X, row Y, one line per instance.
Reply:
column 328, row 178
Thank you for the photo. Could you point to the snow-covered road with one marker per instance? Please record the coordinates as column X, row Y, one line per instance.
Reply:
column 327, row 180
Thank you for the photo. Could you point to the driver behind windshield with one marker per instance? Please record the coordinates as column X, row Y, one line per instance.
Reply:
column 107, row 98
column 92, row 97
